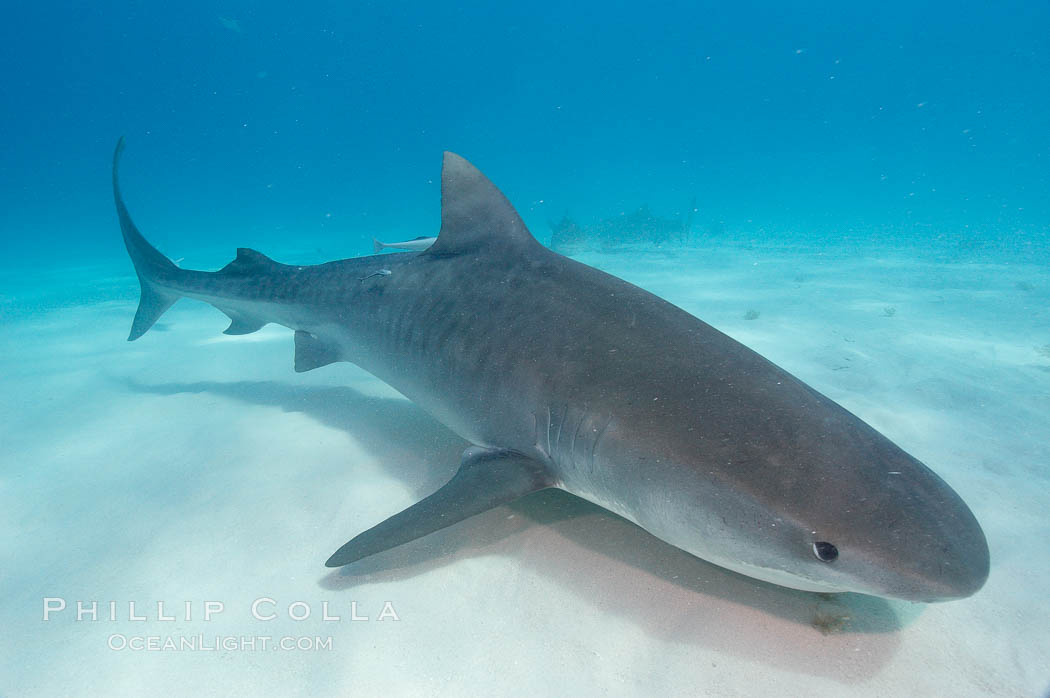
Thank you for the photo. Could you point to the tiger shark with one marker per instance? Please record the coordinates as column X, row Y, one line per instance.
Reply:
column 561, row 375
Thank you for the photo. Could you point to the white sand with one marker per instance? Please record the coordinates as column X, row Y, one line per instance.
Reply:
column 190, row 466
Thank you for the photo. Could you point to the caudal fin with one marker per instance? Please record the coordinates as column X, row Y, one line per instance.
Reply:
column 152, row 267
column 378, row 246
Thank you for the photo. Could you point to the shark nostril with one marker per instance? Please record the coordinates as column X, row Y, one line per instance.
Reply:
column 825, row 552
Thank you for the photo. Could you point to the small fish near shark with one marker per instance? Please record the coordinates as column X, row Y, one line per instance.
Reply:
column 414, row 245
column 561, row 375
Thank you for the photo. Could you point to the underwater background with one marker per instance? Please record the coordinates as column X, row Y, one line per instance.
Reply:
column 859, row 192
column 326, row 122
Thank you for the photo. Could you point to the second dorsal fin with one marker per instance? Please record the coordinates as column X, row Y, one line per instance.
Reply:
column 249, row 261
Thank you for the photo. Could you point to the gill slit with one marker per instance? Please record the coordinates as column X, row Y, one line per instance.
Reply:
column 597, row 438
column 576, row 433
column 561, row 423
column 549, row 425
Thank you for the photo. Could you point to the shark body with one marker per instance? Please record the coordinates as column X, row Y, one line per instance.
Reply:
column 561, row 375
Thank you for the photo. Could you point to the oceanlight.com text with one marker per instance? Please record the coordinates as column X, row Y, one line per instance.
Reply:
column 214, row 643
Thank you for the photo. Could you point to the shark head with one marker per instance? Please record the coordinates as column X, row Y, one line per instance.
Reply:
column 800, row 493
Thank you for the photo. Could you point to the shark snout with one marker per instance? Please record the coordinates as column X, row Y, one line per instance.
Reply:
column 961, row 568
column 945, row 563
column 971, row 566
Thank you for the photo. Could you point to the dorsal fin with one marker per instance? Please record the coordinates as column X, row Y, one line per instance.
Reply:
column 248, row 261
column 474, row 213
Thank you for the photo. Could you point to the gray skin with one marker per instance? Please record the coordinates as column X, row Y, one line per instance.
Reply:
column 564, row 376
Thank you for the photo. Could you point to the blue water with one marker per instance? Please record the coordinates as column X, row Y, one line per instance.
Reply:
column 253, row 123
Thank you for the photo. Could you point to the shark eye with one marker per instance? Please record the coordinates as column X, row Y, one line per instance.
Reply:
column 825, row 552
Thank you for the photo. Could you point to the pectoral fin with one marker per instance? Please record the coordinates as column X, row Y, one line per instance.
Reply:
column 312, row 352
column 485, row 480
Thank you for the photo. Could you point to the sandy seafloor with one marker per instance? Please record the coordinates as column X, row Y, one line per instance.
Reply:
column 191, row 466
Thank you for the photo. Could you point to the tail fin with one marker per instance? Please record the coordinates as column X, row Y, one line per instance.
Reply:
column 377, row 245
column 151, row 266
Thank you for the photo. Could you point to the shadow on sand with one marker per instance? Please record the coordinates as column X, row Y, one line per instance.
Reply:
column 604, row 560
